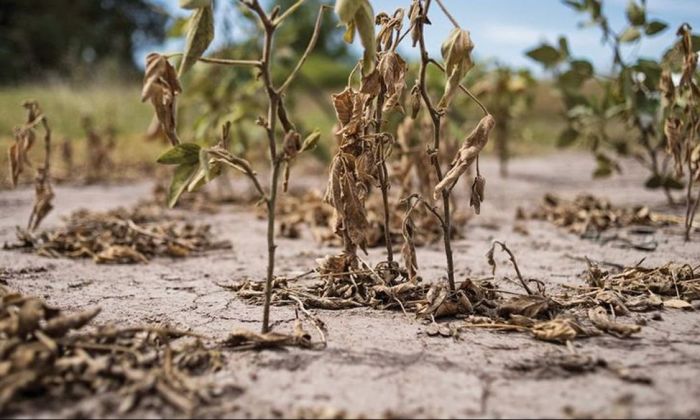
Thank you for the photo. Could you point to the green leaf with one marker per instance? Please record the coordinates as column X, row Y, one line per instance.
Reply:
column 571, row 80
column 545, row 54
column 311, row 141
column 630, row 34
column 567, row 137
column 563, row 47
column 582, row 67
column 654, row 27
column 184, row 153
column 194, row 4
column 636, row 14
column 578, row 6
column 181, row 179
column 667, row 181
column 199, row 36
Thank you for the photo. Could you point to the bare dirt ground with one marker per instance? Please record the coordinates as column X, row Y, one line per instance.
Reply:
column 381, row 363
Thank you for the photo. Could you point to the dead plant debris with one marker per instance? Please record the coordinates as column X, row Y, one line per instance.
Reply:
column 121, row 236
column 46, row 353
column 589, row 216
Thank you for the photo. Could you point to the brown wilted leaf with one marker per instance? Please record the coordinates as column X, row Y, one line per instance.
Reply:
column 161, row 86
column 602, row 321
column 392, row 69
column 456, row 50
column 530, row 306
column 242, row 339
column 559, row 330
column 468, row 152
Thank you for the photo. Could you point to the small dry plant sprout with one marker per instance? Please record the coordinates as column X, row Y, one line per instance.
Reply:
column 25, row 137
column 681, row 102
column 360, row 162
column 196, row 165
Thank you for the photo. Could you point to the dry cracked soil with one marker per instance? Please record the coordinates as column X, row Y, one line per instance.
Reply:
column 382, row 363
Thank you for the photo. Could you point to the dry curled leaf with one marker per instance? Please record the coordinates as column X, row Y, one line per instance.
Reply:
column 600, row 319
column 392, row 69
column 559, row 330
column 468, row 152
column 161, row 86
column 456, row 50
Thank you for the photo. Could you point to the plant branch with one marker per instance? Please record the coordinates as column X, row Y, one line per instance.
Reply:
column 309, row 48
column 434, row 159
column 515, row 265
column 447, row 13
column 463, row 88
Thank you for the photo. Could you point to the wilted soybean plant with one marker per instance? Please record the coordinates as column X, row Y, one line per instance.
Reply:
column 197, row 165
column 25, row 137
column 682, row 122
column 360, row 161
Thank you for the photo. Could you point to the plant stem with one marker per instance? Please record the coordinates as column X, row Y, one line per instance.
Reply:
column 270, row 126
column 447, row 13
column 434, row 159
column 384, row 178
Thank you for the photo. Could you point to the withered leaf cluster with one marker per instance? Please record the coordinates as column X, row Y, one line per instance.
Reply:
column 682, row 124
column 101, row 145
column 25, row 137
column 307, row 210
column 589, row 215
column 161, row 86
column 121, row 236
column 46, row 353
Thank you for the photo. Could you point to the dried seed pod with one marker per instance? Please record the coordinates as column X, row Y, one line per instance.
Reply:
column 477, row 196
column 161, row 86
column 466, row 155
column 456, row 51
column 291, row 144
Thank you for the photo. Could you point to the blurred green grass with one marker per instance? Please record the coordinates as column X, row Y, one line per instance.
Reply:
column 117, row 104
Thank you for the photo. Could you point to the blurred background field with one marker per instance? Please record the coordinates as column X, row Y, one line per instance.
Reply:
column 84, row 58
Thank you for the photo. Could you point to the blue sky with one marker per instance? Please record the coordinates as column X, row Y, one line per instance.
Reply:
column 503, row 30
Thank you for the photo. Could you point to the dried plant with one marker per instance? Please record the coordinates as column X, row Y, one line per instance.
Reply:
column 46, row 351
column 682, row 123
column 25, row 137
column 122, row 236
column 588, row 215
column 197, row 165
column 508, row 94
column 100, row 148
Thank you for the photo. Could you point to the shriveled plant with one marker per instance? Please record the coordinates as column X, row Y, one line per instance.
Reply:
column 510, row 93
column 598, row 107
column 682, row 125
column 361, row 158
column 198, row 165
column 25, row 137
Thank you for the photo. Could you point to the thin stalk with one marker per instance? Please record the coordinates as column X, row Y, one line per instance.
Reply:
column 270, row 126
column 447, row 13
column 435, row 116
column 384, row 178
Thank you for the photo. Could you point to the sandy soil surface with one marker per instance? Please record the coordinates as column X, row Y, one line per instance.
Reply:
column 383, row 363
